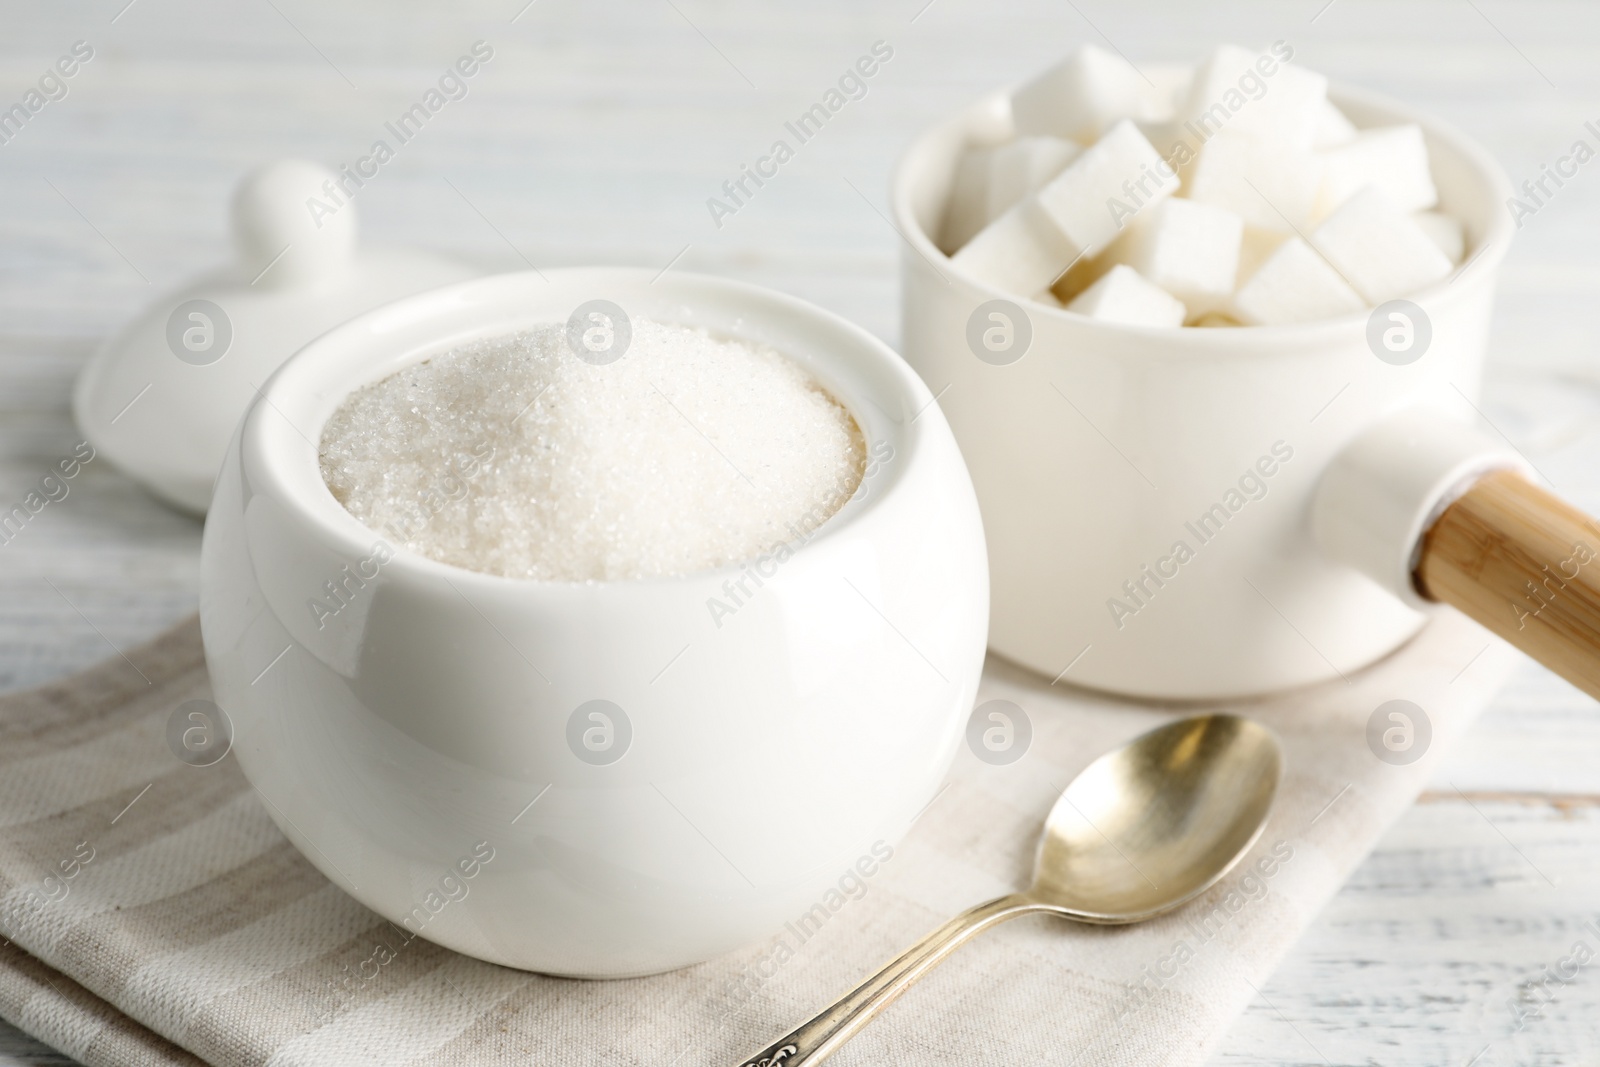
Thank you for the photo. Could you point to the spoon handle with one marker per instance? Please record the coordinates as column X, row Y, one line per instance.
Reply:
column 814, row 1041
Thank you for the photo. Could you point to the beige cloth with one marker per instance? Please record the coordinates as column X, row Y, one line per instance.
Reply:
column 189, row 930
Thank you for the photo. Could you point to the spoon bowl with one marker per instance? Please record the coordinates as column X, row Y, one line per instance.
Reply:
column 1150, row 826
column 1142, row 830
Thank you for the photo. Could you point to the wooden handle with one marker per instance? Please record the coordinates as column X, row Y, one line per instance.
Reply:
column 1526, row 565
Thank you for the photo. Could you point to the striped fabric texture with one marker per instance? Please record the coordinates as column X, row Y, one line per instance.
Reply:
column 152, row 914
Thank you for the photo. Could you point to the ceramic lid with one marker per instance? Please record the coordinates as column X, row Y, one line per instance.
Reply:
column 162, row 397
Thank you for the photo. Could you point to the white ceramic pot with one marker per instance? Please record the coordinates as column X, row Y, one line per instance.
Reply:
column 404, row 738
column 1101, row 448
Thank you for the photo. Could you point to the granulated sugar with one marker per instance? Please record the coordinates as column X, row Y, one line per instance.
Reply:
column 514, row 457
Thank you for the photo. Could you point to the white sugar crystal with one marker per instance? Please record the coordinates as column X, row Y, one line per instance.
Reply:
column 1333, row 128
column 1295, row 284
column 1020, row 252
column 1123, row 296
column 1258, row 94
column 1378, row 248
column 1119, row 177
column 990, row 181
column 1084, row 95
column 1266, row 183
column 1394, row 158
column 1188, row 248
column 514, row 457
column 1444, row 231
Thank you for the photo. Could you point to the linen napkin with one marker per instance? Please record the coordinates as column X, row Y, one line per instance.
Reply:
column 156, row 916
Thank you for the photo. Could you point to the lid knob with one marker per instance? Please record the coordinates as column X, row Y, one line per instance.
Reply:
column 293, row 224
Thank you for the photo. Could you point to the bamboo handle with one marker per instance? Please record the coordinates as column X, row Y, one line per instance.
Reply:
column 1526, row 565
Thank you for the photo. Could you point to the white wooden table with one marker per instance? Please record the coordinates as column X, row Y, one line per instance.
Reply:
column 596, row 135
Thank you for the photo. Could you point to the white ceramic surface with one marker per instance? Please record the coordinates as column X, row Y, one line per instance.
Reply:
column 1097, row 451
column 161, row 398
column 768, row 755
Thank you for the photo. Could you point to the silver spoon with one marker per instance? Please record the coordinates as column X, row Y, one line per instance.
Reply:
column 1141, row 831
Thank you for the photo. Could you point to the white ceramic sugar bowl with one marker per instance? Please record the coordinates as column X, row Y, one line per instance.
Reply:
column 633, row 781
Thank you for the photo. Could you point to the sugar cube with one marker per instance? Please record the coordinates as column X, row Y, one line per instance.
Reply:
column 1024, row 166
column 1188, row 248
column 1167, row 90
column 1378, row 248
column 1332, row 129
column 1077, row 213
column 967, row 210
column 1123, row 296
column 990, row 181
column 1174, row 143
column 1084, row 95
column 1268, row 184
column 1105, row 187
column 1022, row 251
column 1258, row 94
column 1445, row 231
column 1255, row 248
column 1086, row 271
column 1295, row 284
column 1394, row 158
